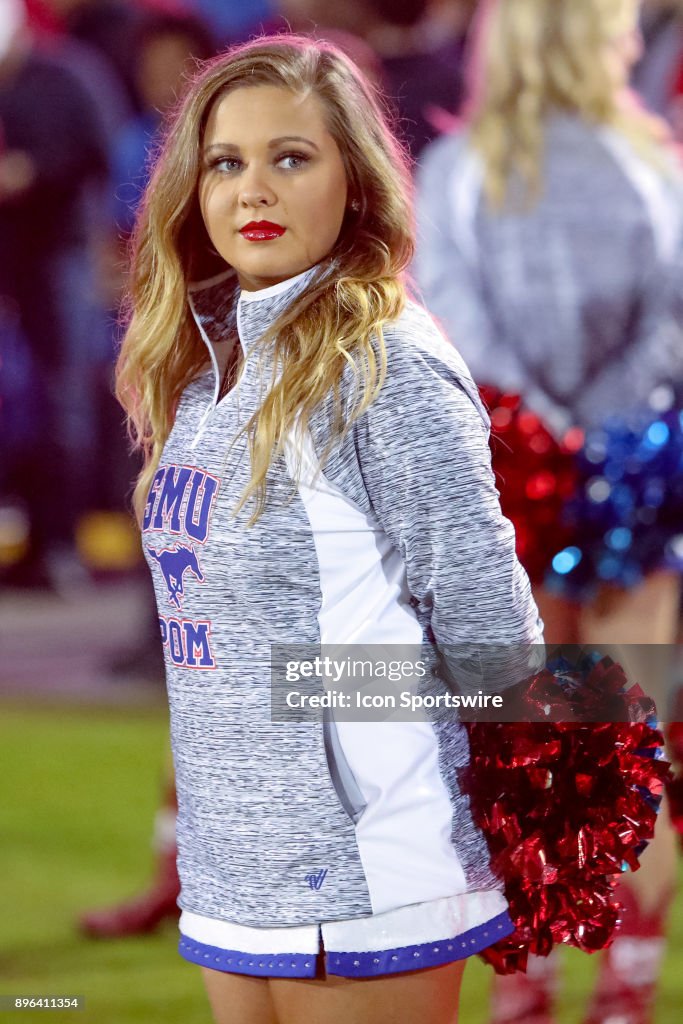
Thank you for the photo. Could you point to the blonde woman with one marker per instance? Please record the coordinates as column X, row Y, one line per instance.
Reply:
column 316, row 472
column 550, row 250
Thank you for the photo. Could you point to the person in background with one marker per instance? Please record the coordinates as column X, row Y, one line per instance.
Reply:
column 167, row 45
column 106, row 26
column 166, row 48
column 54, row 159
column 157, row 903
column 93, row 68
column 550, row 248
column 421, row 57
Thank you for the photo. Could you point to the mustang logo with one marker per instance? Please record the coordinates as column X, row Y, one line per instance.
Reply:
column 174, row 563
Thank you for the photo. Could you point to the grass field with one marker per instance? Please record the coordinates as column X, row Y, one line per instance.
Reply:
column 78, row 794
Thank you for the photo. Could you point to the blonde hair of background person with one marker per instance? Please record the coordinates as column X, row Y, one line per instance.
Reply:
column 532, row 57
column 329, row 326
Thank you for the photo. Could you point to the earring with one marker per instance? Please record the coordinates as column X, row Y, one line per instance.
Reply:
column 355, row 205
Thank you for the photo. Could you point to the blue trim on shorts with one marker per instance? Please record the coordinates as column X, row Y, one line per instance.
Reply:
column 427, row 954
column 266, row 965
column 350, row 965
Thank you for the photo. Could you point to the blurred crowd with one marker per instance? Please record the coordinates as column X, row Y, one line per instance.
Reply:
column 84, row 85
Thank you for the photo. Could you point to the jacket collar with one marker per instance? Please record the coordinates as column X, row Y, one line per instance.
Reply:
column 220, row 308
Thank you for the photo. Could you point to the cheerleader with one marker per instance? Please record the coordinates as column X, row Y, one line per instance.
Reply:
column 316, row 472
column 550, row 250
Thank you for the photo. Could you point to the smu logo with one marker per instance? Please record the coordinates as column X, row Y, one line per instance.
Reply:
column 180, row 501
column 316, row 881
column 174, row 564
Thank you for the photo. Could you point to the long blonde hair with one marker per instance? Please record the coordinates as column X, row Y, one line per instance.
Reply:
column 533, row 57
column 336, row 321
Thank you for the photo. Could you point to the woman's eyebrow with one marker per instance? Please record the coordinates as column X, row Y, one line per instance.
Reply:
column 291, row 138
column 273, row 144
column 222, row 146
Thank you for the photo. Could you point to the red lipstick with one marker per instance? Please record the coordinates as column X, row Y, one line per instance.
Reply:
column 261, row 231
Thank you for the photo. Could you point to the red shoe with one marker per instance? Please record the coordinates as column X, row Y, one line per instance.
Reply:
column 144, row 913
column 526, row 998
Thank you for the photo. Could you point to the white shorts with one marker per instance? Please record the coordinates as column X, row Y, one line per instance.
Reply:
column 422, row 935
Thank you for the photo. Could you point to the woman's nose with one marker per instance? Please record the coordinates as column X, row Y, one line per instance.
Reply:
column 255, row 190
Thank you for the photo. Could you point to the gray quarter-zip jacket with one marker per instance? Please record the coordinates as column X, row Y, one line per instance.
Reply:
column 400, row 538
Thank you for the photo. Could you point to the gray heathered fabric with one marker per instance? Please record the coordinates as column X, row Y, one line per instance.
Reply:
column 571, row 302
column 257, row 808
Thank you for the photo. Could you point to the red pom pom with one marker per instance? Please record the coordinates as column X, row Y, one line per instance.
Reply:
column 566, row 805
column 535, row 475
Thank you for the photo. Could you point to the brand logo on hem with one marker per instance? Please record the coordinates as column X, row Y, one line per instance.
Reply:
column 315, row 881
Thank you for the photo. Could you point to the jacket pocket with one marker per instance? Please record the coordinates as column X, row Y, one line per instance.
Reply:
column 343, row 780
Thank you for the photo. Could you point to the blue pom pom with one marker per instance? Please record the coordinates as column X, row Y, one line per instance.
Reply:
column 627, row 511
